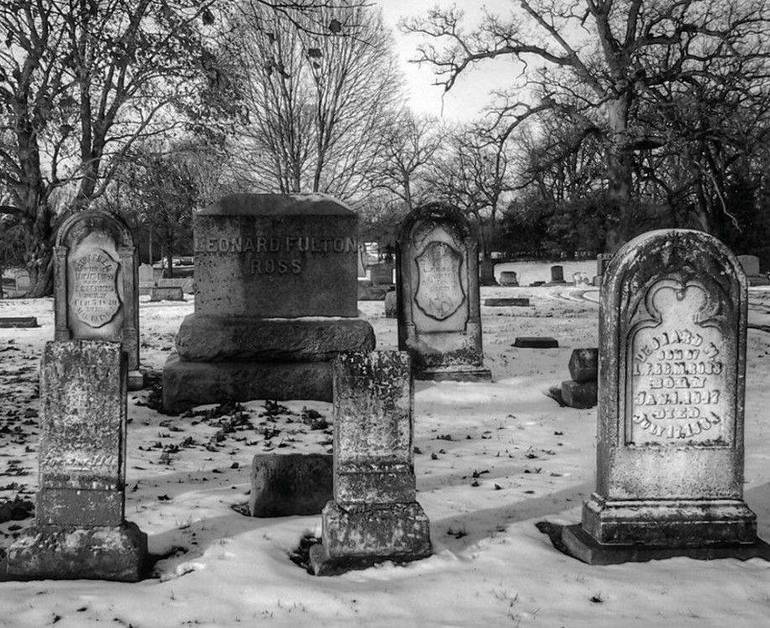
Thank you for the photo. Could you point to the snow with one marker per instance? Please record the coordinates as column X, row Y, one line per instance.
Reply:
column 491, row 566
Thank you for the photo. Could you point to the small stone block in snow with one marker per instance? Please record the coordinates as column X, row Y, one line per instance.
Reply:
column 577, row 395
column 535, row 342
column 18, row 321
column 506, row 302
column 584, row 364
column 290, row 484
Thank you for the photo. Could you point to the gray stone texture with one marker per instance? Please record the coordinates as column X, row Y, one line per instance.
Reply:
column 535, row 342
column 577, row 395
column 272, row 255
column 509, row 278
column 439, row 320
column 749, row 264
column 80, row 529
column 290, row 484
column 166, row 293
column 584, row 365
column 391, row 304
column 210, row 338
column 672, row 333
column 507, row 302
column 374, row 515
column 18, row 321
column 557, row 274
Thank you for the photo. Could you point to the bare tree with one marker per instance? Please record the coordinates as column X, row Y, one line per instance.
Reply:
column 603, row 60
column 317, row 103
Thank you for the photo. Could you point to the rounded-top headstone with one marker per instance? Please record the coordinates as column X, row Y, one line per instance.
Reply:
column 271, row 255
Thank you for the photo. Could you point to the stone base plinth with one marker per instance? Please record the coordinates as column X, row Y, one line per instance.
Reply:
column 290, row 484
column 577, row 395
column 454, row 374
column 135, row 380
column 208, row 338
column 358, row 537
column 188, row 384
column 101, row 553
column 577, row 543
column 669, row 523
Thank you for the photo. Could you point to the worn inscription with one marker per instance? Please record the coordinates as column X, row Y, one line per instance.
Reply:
column 439, row 291
column 678, row 379
column 271, row 255
column 94, row 297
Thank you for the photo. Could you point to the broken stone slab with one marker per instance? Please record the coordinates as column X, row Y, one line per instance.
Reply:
column 290, row 484
column 584, row 365
column 209, row 338
column 74, row 553
column 535, row 342
column 577, row 395
column 18, row 321
column 188, row 384
column 507, row 302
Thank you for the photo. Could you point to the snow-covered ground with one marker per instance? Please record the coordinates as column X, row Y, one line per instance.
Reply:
column 494, row 459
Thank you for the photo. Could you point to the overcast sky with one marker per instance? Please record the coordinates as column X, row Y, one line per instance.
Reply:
column 471, row 92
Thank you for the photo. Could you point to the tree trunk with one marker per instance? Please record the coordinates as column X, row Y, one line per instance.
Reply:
column 619, row 167
column 170, row 258
column 39, row 257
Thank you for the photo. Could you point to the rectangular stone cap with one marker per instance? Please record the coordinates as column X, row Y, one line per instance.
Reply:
column 247, row 204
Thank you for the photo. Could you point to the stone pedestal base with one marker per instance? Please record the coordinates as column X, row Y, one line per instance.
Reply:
column 577, row 543
column 102, row 553
column 455, row 374
column 135, row 380
column 669, row 523
column 188, row 384
column 360, row 536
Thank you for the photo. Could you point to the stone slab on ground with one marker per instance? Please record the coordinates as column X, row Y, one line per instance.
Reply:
column 18, row 321
column 535, row 342
column 166, row 293
column 579, row 395
column 584, row 365
column 99, row 553
column 455, row 374
column 577, row 543
column 290, row 484
column 188, row 384
column 209, row 338
column 507, row 302
column 359, row 537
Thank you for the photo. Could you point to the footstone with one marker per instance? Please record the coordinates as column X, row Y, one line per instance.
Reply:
column 439, row 320
column 391, row 304
column 166, row 293
column 188, row 384
column 577, row 395
column 584, row 365
column 209, row 338
column 18, row 321
column 290, row 484
column 672, row 332
column 374, row 515
column 509, row 278
column 74, row 553
column 535, row 342
column 507, row 302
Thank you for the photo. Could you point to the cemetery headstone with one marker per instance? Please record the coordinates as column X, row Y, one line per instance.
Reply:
column 96, row 291
column 672, row 333
column 509, row 278
column 581, row 390
column 290, row 484
column 391, row 304
column 382, row 274
column 557, row 274
column 749, row 264
column 166, row 293
column 80, row 529
column 276, row 291
column 374, row 515
column 439, row 319
column 146, row 279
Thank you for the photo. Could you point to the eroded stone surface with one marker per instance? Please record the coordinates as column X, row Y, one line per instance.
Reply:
column 577, row 395
column 290, row 484
column 584, row 365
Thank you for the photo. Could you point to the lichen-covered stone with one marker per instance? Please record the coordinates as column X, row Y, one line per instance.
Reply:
column 672, row 333
column 290, row 484
column 584, row 365
column 439, row 321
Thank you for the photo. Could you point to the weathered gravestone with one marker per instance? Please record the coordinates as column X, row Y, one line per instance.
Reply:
column 80, row 529
column 166, row 293
column 146, row 279
column 374, row 515
column 509, row 278
column 275, row 280
column 672, row 361
column 439, row 319
column 391, row 304
column 290, row 484
column 96, row 284
column 557, row 274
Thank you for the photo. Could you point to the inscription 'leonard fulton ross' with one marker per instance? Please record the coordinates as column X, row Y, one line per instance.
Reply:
column 268, row 254
column 678, row 379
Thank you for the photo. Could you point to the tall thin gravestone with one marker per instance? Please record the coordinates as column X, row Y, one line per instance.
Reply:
column 374, row 515
column 96, row 284
column 672, row 362
column 80, row 529
column 439, row 317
